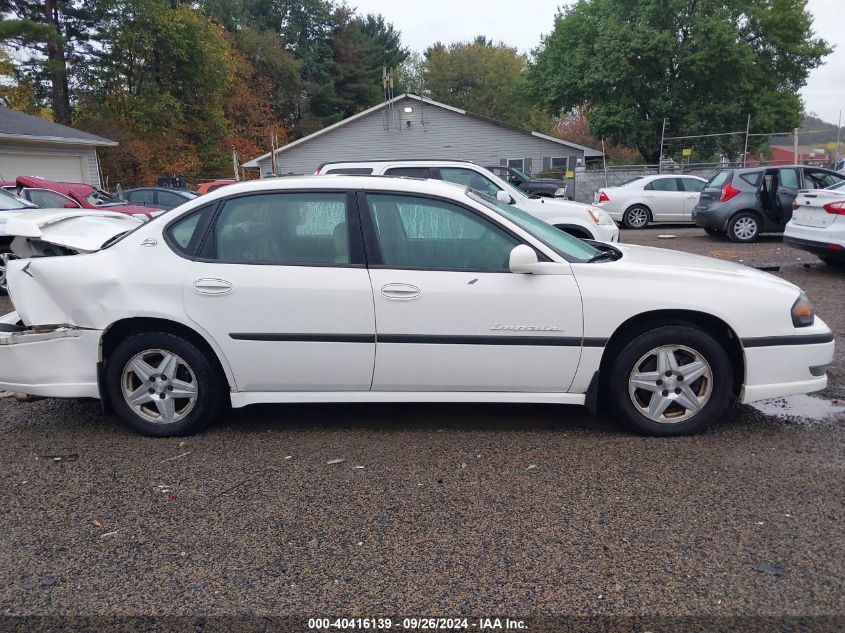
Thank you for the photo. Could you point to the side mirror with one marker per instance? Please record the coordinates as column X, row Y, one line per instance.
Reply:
column 523, row 259
column 504, row 196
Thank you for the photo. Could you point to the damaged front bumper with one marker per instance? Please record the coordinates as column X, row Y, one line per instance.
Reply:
column 58, row 361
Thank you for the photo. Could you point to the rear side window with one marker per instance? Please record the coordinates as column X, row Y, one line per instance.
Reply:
column 753, row 178
column 719, row 179
column 692, row 184
column 142, row 196
column 283, row 228
column 351, row 171
column 409, row 172
column 817, row 179
column 662, row 184
column 185, row 234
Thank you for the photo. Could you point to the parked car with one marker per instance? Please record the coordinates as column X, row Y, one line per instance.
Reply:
column 818, row 223
column 743, row 203
column 578, row 219
column 544, row 187
column 212, row 185
column 640, row 201
column 160, row 197
column 839, row 166
column 10, row 206
column 367, row 289
column 71, row 195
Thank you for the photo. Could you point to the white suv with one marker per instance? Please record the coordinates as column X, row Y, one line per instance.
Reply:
column 581, row 220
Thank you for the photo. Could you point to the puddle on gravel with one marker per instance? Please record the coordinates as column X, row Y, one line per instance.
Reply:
column 802, row 406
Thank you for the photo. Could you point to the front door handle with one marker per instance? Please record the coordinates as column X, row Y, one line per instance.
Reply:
column 210, row 286
column 400, row 291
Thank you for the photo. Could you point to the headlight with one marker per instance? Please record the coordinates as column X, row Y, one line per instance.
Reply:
column 560, row 192
column 600, row 216
column 802, row 312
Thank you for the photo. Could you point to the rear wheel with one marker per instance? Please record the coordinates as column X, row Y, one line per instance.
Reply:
column 744, row 227
column 673, row 380
column 636, row 217
column 162, row 385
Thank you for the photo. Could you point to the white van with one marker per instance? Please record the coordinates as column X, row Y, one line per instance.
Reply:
column 576, row 218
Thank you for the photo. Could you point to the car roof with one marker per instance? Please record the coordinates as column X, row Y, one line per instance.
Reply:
column 341, row 182
column 387, row 161
column 65, row 188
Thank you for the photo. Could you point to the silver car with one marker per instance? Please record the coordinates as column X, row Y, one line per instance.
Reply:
column 640, row 201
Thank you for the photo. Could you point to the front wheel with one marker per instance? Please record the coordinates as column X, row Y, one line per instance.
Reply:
column 744, row 227
column 673, row 380
column 162, row 385
column 4, row 261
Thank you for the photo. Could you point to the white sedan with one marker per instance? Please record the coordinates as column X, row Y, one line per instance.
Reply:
column 639, row 201
column 818, row 223
column 368, row 289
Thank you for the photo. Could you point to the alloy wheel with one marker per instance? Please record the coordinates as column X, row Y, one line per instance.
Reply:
column 670, row 384
column 159, row 386
column 637, row 217
column 4, row 260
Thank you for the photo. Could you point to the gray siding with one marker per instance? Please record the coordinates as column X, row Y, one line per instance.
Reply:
column 434, row 132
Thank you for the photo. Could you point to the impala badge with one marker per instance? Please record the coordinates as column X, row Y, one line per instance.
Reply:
column 526, row 328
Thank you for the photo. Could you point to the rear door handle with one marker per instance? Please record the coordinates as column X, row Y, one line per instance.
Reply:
column 400, row 291
column 209, row 286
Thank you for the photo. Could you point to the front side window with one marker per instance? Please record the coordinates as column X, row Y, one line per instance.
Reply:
column 469, row 178
column 423, row 233
column 663, row 184
column 283, row 228
column 141, row 196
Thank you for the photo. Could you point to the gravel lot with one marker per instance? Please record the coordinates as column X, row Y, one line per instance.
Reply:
column 436, row 510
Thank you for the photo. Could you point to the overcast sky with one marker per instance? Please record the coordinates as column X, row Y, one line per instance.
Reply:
column 522, row 24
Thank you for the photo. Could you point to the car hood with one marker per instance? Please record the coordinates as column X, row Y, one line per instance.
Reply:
column 688, row 264
column 80, row 230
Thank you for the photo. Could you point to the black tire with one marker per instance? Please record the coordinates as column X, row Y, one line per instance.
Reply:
column 636, row 217
column 210, row 386
column 744, row 227
column 713, row 232
column 832, row 261
column 4, row 257
column 622, row 399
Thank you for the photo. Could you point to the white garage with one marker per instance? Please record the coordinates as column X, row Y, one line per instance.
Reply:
column 30, row 146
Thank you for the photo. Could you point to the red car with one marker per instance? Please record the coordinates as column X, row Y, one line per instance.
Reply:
column 71, row 195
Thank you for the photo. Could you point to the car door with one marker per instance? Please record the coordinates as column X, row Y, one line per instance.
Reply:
column 787, row 191
column 665, row 199
column 692, row 192
column 280, row 284
column 450, row 315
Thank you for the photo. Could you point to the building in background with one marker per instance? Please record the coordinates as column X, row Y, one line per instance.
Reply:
column 409, row 126
column 31, row 146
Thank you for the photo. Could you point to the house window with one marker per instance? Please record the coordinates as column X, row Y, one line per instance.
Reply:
column 560, row 163
column 517, row 163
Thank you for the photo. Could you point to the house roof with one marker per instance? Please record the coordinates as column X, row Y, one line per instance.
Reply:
column 588, row 151
column 24, row 127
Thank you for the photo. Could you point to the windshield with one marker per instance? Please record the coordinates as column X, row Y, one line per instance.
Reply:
column 522, row 175
column 100, row 198
column 8, row 202
column 562, row 243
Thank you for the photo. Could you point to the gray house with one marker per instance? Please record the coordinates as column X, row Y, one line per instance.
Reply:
column 30, row 146
column 409, row 126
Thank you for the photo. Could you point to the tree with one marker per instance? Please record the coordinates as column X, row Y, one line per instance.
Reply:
column 702, row 64
column 52, row 32
column 479, row 76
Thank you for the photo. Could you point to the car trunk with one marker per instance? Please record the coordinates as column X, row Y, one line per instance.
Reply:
column 809, row 211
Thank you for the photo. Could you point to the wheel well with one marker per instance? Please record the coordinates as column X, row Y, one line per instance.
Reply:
column 575, row 231
column 641, row 323
column 120, row 330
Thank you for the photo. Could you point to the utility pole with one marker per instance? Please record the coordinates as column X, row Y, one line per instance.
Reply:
column 795, row 146
column 838, row 129
column 604, row 160
column 747, row 131
column 662, row 136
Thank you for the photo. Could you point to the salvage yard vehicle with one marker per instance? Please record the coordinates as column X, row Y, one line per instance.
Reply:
column 576, row 218
column 10, row 206
column 77, row 195
column 161, row 197
column 646, row 199
column 369, row 289
column 743, row 203
column 543, row 187
column 818, row 223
